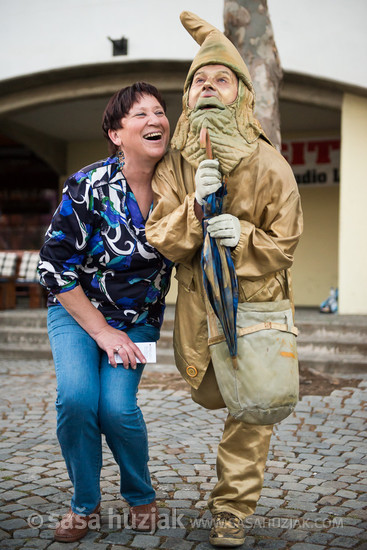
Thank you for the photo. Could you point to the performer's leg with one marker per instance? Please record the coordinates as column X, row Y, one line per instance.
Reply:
column 241, row 462
column 241, row 456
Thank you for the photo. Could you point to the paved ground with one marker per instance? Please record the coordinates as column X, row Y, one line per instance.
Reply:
column 314, row 495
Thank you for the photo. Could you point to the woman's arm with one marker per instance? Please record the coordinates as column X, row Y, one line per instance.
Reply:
column 64, row 249
column 93, row 322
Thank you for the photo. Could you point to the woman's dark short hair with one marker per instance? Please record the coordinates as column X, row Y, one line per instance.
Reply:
column 120, row 104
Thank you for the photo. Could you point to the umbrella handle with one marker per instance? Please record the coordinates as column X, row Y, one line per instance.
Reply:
column 205, row 142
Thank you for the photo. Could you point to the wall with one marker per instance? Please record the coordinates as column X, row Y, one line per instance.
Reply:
column 325, row 39
column 315, row 267
column 82, row 153
column 51, row 34
column 316, row 157
column 353, row 207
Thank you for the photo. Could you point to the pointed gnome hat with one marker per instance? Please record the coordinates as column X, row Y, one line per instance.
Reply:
column 215, row 49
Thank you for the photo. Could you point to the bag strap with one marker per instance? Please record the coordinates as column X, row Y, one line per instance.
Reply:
column 289, row 290
column 216, row 337
column 255, row 328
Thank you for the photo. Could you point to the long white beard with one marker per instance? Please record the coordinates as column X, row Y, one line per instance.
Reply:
column 228, row 145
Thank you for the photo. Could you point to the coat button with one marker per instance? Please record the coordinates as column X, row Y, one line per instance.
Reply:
column 191, row 371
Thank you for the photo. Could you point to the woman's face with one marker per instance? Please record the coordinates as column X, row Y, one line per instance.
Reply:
column 145, row 130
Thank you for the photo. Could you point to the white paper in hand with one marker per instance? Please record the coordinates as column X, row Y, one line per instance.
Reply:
column 148, row 349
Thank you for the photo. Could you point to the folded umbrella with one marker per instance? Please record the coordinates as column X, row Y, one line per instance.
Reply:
column 219, row 274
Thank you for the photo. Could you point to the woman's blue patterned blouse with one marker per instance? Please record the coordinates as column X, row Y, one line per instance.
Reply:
column 97, row 239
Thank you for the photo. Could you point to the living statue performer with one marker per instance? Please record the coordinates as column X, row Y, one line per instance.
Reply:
column 262, row 224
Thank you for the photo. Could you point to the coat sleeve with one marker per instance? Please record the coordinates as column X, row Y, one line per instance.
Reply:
column 173, row 227
column 269, row 245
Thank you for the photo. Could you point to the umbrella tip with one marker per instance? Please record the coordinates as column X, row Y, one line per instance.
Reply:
column 234, row 362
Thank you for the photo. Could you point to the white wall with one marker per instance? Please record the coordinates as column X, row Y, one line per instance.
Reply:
column 40, row 34
column 324, row 38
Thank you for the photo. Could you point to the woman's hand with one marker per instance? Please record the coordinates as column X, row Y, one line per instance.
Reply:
column 108, row 338
column 114, row 341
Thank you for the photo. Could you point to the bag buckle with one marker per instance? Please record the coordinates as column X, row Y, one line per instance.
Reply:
column 267, row 324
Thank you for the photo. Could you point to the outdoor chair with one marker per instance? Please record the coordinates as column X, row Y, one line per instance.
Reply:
column 27, row 282
column 8, row 269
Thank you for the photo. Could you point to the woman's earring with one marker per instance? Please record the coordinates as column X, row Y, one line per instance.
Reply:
column 121, row 159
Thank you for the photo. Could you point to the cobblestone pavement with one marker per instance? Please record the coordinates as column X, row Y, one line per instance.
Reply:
column 313, row 497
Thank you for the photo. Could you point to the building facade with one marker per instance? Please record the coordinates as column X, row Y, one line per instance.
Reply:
column 62, row 61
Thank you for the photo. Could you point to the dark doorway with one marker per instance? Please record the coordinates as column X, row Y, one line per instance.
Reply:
column 28, row 196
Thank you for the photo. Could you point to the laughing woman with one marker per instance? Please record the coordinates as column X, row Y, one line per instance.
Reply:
column 107, row 287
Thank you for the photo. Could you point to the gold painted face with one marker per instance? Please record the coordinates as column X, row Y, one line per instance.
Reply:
column 213, row 81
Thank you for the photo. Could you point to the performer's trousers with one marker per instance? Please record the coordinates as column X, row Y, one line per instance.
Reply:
column 241, row 457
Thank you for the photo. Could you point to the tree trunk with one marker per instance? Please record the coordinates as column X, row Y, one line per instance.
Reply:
column 247, row 24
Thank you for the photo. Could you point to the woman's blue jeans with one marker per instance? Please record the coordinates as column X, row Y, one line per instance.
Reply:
column 95, row 398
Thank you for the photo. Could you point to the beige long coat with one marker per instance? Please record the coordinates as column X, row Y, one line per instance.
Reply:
column 263, row 194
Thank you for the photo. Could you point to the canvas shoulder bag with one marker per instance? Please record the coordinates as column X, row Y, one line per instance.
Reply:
column 263, row 387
